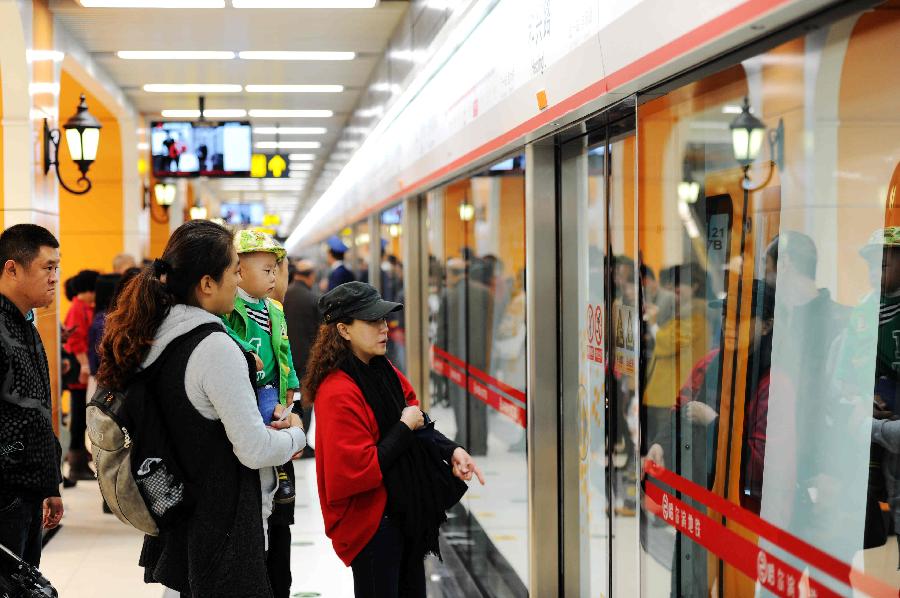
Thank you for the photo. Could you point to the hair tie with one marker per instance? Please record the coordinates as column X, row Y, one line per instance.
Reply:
column 161, row 267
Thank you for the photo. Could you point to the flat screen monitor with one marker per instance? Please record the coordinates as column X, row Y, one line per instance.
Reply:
column 243, row 213
column 221, row 149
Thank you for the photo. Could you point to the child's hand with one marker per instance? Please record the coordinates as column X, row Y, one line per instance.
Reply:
column 259, row 363
column 290, row 396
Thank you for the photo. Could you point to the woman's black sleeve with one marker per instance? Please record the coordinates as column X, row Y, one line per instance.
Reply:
column 445, row 445
column 393, row 444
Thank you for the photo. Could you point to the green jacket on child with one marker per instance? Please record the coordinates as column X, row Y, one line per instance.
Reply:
column 236, row 323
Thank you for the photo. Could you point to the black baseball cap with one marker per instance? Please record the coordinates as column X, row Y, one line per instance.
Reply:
column 356, row 300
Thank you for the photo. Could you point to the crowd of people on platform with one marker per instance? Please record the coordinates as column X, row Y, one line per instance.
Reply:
column 237, row 347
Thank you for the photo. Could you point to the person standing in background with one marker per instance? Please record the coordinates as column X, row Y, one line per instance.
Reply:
column 303, row 319
column 339, row 273
column 78, row 321
column 123, row 262
column 29, row 459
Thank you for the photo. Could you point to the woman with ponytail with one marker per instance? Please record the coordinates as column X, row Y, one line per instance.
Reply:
column 381, row 506
column 167, row 321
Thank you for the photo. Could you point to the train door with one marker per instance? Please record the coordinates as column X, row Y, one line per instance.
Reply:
column 600, row 357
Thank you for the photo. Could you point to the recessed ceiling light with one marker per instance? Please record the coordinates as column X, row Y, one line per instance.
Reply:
column 291, row 113
column 288, row 145
column 295, row 55
column 294, row 88
column 192, row 88
column 42, row 55
column 220, row 113
column 174, row 55
column 301, row 157
column 289, row 130
column 304, row 3
column 153, row 3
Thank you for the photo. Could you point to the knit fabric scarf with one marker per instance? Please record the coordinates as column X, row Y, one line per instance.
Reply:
column 413, row 502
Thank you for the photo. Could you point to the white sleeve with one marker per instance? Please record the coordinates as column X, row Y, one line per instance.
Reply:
column 218, row 385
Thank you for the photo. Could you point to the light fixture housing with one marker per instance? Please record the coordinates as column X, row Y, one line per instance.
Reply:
column 192, row 88
column 304, row 3
column 199, row 213
column 466, row 212
column 262, row 113
column 288, row 145
column 175, row 55
column 83, row 139
column 164, row 193
column 747, row 134
column 293, row 88
column 209, row 113
column 153, row 3
column 289, row 130
column 295, row 55
column 688, row 191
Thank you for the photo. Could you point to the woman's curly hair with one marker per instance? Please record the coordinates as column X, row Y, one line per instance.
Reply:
column 327, row 352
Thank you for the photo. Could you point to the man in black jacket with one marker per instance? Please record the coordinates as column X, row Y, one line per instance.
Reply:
column 301, row 314
column 29, row 450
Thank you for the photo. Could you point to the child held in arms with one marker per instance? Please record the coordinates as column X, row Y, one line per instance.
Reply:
column 258, row 325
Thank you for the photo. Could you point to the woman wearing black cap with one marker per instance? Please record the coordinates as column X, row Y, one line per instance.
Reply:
column 381, row 508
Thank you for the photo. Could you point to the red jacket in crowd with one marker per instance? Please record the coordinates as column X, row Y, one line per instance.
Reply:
column 351, row 489
column 78, row 321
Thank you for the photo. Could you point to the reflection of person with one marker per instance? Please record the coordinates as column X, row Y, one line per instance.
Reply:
column 693, row 428
column 339, row 274
column 466, row 334
column 30, row 456
column 380, row 505
column 208, row 403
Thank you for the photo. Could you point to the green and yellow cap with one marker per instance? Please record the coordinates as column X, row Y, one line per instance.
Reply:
column 253, row 241
column 888, row 236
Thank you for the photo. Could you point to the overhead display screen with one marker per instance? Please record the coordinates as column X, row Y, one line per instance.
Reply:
column 200, row 149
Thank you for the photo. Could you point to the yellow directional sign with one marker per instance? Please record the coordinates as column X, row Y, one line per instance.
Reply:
column 258, row 166
column 271, row 220
column 277, row 166
column 268, row 166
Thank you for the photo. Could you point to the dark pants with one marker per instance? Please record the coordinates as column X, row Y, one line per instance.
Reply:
column 382, row 569
column 77, row 408
column 20, row 527
column 278, row 559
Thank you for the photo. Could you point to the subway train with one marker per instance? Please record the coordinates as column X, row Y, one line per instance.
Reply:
column 648, row 260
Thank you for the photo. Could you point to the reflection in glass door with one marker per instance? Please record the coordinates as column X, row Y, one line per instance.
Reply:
column 600, row 361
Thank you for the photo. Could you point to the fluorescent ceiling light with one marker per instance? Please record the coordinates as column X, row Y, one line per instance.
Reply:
column 39, row 88
column 301, row 157
column 294, row 88
column 348, row 144
column 301, row 166
column 192, row 88
column 731, row 109
column 42, row 55
column 298, row 175
column 289, row 130
column 408, row 55
column 304, row 3
column 386, row 87
column 223, row 113
column 174, row 55
column 357, row 130
column 340, row 156
column 291, row 113
column 370, row 112
column 295, row 55
column 143, row 146
column 288, row 145
column 153, row 3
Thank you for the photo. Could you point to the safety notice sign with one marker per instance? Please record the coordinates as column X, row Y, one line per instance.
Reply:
column 623, row 322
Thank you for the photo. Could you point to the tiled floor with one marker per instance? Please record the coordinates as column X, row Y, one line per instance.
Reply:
column 95, row 555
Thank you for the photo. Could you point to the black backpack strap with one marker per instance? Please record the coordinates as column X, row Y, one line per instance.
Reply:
column 200, row 332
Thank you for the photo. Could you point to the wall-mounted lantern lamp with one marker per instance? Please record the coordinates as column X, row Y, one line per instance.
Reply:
column 199, row 213
column 747, row 134
column 688, row 191
column 159, row 200
column 83, row 139
column 466, row 212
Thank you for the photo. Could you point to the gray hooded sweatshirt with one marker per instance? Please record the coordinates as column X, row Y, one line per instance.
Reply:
column 217, row 384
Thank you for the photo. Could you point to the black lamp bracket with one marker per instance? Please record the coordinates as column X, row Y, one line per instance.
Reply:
column 52, row 138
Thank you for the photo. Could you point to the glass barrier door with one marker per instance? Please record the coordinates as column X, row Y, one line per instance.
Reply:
column 601, row 360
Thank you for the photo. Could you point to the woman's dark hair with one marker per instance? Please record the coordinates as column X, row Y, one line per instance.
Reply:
column 196, row 249
column 70, row 288
column 329, row 349
column 85, row 281
column 104, row 291
column 126, row 277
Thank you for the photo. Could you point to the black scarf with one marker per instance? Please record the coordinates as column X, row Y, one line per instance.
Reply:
column 412, row 499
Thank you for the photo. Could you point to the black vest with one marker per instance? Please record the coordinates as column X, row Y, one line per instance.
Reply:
column 219, row 550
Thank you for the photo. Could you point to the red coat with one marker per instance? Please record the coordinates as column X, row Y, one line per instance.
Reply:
column 351, row 489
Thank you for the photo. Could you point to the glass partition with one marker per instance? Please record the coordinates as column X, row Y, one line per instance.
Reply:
column 769, row 264
column 476, row 242
column 390, row 282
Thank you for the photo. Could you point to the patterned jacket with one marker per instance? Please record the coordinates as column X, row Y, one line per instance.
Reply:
column 29, row 450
